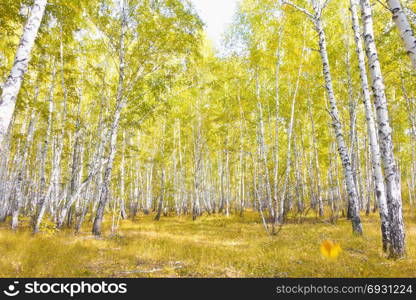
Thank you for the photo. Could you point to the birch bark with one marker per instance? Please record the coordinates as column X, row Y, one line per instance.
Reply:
column 315, row 17
column 263, row 151
column 290, row 132
column 75, row 168
column 120, row 103
column 315, row 159
column 391, row 175
column 406, row 32
column 380, row 190
column 41, row 205
column 18, row 203
column 14, row 81
column 276, row 131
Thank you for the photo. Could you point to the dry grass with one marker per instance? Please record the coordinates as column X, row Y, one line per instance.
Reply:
column 212, row 246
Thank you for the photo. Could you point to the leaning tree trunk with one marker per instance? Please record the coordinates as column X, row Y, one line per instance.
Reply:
column 342, row 148
column 120, row 103
column 105, row 185
column 406, row 32
column 95, row 167
column 4, row 162
column 380, row 190
column 14, row 81
column 391, row 174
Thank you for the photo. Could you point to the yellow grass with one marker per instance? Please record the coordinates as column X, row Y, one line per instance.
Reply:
column 212, row 246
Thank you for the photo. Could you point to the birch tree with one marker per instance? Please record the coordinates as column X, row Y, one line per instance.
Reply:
column 14, row 81
column 379, row 186
column 290, row 131
column 315, row 16
column 391, row 175
column 406, row 31
column 120, row 103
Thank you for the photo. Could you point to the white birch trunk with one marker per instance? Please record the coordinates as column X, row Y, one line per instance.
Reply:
column 41, row 205
column 391, row 175
column 315, row 17
column 162, row 173
column 120, row 103
column 18, row 203
column 123, row 213
column 315, row 159
column 276, row 132
column 14, row 81
column 263, row 151
column 75, row 168
column 290, row 133
column 406, row 32
column 380, row 190
column 342, row 148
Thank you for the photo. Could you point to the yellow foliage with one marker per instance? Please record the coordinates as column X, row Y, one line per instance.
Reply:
column 330, row 249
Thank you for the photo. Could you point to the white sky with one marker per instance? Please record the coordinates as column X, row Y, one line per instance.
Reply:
column 217, row 15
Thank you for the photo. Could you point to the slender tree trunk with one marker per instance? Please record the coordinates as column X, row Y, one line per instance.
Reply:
column 197, row 168
column 18, row 203
column 298, row 178
column 353, row 127
column 342, row 148
column 368, row 176
column 263, row 152
column 120, row 103
column 257, row 198
column 276, row 132
column 242, row 167
column 149, row 187
column 316, row 160
column 75, row 168
column 290, row 133
column 161, row 196
column 162, row 173
column 221, row 178
column 54, row 189
column 228, row 183
column 41, row 206
column 122, row 179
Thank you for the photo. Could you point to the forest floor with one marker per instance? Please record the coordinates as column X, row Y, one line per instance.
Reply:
column 211, row 246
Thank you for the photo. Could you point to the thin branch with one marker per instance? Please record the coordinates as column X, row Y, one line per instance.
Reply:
column 321, row 9
column 301, row 9
column 325, row 5
column 382, row 4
